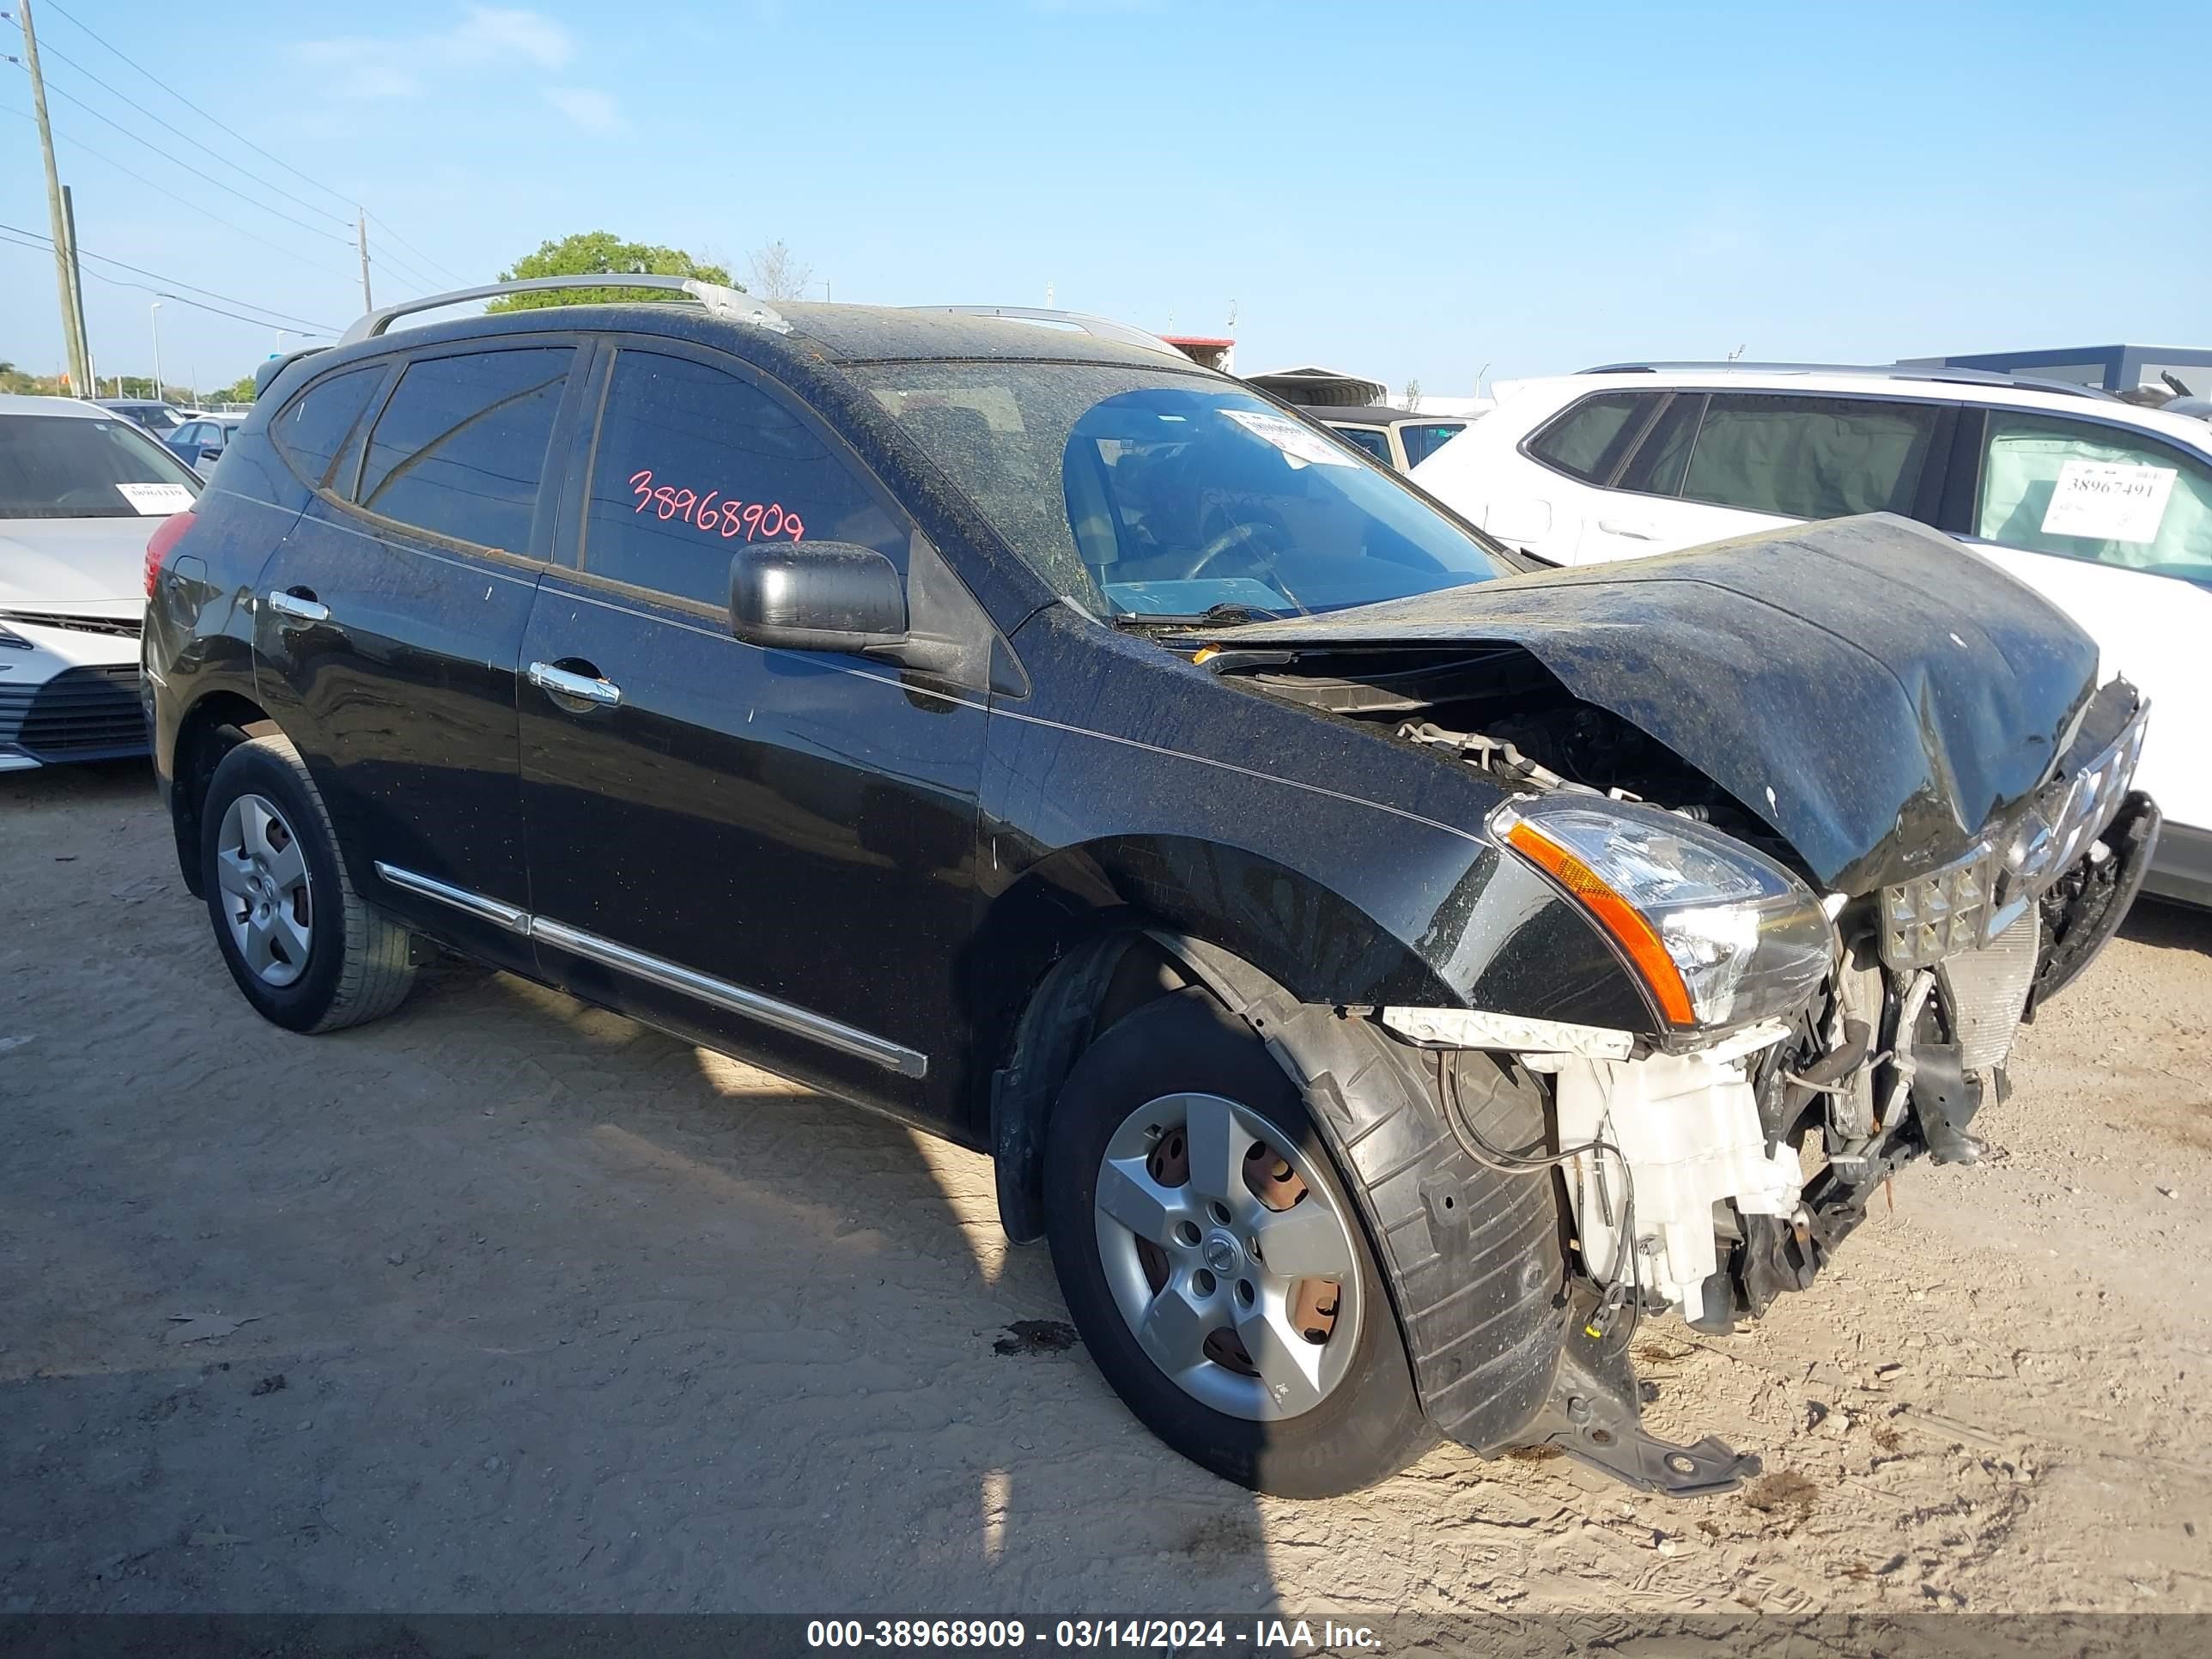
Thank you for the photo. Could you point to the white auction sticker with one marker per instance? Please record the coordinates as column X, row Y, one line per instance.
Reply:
column 1298, row 444
column 2109, row 501
column 157, row 500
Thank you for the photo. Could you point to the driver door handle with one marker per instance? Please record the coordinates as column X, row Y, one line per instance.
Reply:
column 584, row 688
column 1627, row 528
column 299, row 606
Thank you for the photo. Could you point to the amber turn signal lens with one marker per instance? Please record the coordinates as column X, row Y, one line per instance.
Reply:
column 1630, row 931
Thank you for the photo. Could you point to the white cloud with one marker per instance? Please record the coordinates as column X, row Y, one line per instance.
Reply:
column 489, row 33
column 589, row 108
column 402, row 66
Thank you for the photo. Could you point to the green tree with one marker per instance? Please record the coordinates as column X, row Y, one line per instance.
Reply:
column 240, row 390
column 595, row 253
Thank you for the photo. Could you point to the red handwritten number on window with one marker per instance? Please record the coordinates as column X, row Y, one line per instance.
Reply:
column 730, row 519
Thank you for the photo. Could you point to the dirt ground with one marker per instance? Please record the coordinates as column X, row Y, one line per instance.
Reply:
column 504, row 1304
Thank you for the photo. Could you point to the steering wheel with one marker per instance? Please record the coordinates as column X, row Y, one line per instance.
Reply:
column 1237, row 536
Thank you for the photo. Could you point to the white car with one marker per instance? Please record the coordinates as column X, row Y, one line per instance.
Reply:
column 81, row 489
column 2104, row 508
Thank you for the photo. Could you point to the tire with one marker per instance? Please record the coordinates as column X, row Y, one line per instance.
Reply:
column 1367, row 1424
column 356, row 963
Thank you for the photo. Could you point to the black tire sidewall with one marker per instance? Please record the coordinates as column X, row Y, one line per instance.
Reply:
column 251, row 769
column 1371, row 1423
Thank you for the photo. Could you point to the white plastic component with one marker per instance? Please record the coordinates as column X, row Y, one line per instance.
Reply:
column 1472, row 1028
column 1688, row 1127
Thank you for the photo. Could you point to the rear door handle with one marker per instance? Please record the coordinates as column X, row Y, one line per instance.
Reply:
column 299, row 606
column 584, row 688
column 1632, row 531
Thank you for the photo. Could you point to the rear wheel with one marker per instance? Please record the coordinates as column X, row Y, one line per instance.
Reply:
column 302, row 947
column 1215, row 1264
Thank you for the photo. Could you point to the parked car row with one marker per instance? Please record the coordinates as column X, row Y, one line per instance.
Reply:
column 80, row 489
column 1386, row 968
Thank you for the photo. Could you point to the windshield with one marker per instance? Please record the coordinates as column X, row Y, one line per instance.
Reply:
column 60, row 467
column 1148, row 494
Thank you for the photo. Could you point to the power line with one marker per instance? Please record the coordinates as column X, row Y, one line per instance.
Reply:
column 190, row 138
column 229, row 190
column 42, row 246
column 223, row 126
column 195, row 108
column 444, row 270
column 274, row 316
column 169, row 190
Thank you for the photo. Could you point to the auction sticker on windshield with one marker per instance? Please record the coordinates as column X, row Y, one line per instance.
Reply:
column 1297, row 443
column 157, row 500
column 2109, row 500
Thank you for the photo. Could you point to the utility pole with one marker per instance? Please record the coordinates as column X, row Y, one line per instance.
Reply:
column 154, row 320
column 77, row 290
column 360, row 231
column 72, row 324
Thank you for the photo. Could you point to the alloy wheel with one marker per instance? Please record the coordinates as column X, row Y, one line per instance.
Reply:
column 1225, row 1253
column 267, row 898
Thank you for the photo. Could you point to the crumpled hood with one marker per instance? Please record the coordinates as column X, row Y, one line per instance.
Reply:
column 1868, row 686
column 48, row 564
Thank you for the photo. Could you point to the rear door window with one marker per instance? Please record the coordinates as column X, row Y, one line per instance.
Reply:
column 1424, row 441
column 1660, row 461
column 1365, row 437
column 2084, row 490
column 1588, row 440
column 312, row 429
column 1809, row 458
column 693, row 461
column 459, row 449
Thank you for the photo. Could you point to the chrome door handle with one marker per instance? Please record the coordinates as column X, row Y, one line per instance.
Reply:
column 299, row 610
column 582, row 687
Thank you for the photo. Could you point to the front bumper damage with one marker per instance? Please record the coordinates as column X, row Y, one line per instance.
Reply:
column 1703, row 1184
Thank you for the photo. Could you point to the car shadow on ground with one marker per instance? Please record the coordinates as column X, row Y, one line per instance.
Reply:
column 537, row 1308
column 2169, row 925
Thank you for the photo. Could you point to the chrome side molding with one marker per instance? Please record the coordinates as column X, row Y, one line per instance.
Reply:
column 474, row 904
column 670, row 975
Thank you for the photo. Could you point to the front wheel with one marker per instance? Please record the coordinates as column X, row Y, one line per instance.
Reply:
column 1215, row 1264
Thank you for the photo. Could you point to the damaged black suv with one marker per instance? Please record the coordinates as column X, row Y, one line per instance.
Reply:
column 1385, row 972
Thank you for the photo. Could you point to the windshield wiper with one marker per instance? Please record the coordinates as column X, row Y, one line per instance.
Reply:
column 1229, row 613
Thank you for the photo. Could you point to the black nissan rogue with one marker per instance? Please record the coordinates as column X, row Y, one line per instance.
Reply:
column 1386, row 974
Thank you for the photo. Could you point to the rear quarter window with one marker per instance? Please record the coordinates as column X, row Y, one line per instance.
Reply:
column 313, row 429
column 1588, row 440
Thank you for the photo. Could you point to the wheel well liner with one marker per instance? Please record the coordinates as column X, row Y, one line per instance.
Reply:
column 201, row 744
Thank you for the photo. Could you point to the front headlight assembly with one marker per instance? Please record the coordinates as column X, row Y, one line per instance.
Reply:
column 1717, row 934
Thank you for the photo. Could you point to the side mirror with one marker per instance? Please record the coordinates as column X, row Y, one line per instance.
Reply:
column 210, row 454
column 815, row 596
column 829, row 596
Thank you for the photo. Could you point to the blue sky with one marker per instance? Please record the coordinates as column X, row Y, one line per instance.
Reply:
column 1403, row 191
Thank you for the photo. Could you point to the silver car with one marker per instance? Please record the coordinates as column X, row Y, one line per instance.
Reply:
column 81, row 489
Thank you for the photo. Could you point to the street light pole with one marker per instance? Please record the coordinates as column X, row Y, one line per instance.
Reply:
column 155, row 315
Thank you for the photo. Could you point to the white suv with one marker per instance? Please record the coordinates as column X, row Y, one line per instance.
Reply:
column 2103, row 508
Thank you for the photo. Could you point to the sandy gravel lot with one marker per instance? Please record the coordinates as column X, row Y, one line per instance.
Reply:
column 538, row 1310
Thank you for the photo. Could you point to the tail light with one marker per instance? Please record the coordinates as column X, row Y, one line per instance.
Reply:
column 166, row 536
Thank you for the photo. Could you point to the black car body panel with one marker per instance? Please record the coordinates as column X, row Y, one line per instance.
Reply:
column 860, row 873
column 1875, row 698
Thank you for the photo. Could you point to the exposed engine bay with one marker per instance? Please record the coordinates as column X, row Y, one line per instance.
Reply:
column 1712, row 1178
column 1707, row 1171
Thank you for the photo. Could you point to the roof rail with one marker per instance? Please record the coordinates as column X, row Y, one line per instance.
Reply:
column 1878, row 371
column 719, row 300
column 1104, row 328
